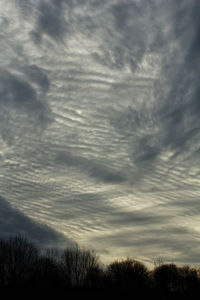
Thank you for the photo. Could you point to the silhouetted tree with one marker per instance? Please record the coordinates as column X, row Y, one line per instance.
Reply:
column 189, row 282
column 48, row 272
column 79, row 270
column 17, row 258
column 95, row 278
column 166, row 277
column 171, row 280
column 128, row 274
column 78, row 263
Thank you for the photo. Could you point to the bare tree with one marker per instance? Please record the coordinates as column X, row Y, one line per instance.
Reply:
column 127, row 274
column 17, row 258
column 78, row 262
column 48, row 271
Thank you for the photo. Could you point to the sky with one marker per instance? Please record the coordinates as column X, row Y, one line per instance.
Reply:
column 100, row 126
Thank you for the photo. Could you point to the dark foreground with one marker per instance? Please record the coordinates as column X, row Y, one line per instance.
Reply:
column 78, row 272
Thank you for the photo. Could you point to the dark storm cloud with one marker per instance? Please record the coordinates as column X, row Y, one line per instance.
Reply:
column 97, row 171
column 14, row 222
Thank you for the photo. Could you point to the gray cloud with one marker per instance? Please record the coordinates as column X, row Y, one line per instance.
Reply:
column 51, row 21
column 179, row 110
column 19, row 93
column 91, row 167
column 173, row 244
column 134, row 219
column 127, row 36
column 171, row 123
column 12, row 222
column 19, row 100
column 16, row 91
column 37, row 75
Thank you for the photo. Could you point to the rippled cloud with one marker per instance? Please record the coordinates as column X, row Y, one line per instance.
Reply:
column 99, row 122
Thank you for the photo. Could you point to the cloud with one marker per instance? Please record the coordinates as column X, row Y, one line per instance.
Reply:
column 13, row 222
column 19, row 101
column 50, row 20
column 135, row 218
column 168, row 121
column 172, row 243
column 17, row 92
column 126, row 34
column 178, row 97
column 37, row 75
column 92, row 168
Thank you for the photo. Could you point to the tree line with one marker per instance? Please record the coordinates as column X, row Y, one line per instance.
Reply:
column 24, row 265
